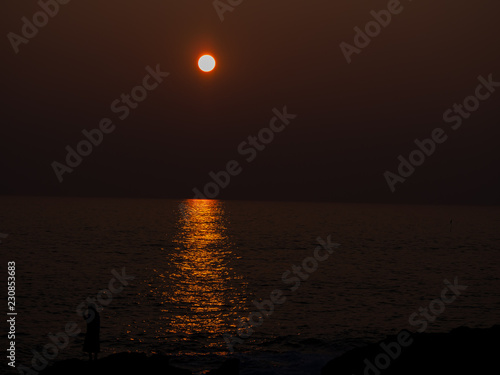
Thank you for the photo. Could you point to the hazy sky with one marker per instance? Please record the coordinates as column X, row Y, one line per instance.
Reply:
column 353, row 120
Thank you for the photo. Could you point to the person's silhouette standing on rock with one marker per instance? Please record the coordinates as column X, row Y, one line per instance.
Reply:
column 92, row 342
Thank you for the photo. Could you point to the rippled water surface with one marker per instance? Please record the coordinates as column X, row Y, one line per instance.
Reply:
column 199, row 266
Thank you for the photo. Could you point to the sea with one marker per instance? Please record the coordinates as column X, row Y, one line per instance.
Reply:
column 183, row 277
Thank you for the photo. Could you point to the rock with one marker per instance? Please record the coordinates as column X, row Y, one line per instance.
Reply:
column 121, row 363
column 462, row 351
column 229, row 367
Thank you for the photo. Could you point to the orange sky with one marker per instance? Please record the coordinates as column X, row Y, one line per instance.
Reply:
column 353, row 119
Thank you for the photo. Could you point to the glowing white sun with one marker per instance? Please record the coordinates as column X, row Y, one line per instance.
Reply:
column 206, row 63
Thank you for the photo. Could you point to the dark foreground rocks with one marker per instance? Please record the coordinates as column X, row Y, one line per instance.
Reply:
column 131, row 364
column 230, row 367
column 462, row 351
column 122, row 363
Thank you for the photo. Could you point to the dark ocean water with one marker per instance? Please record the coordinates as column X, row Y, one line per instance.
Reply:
column 198, row 267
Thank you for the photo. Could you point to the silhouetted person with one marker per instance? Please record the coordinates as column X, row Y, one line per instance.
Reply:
column 92, row 342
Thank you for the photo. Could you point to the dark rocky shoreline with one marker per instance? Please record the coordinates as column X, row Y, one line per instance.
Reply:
column 461, row 351
column 131, row 363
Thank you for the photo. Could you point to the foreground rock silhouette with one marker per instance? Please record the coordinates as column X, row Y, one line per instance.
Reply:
column 122, row 363
column 230, row 367
column 131, row 364
column 462, row 351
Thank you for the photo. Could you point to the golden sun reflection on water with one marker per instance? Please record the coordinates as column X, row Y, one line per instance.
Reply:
column 201, row 292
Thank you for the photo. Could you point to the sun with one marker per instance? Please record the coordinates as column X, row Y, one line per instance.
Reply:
column 206, row 63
